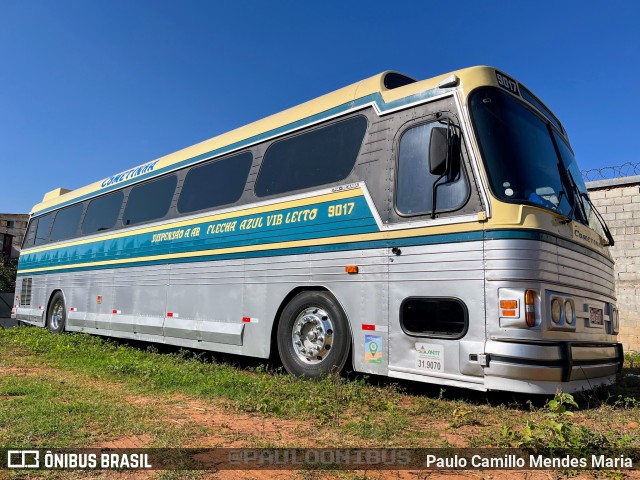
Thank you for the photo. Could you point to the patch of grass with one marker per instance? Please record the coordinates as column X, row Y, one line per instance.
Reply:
column 180, row 475
column 188, row 373
column 385, row 430
column 339, row 412
column 632, row 360
column 43, row 411
column 554, row 431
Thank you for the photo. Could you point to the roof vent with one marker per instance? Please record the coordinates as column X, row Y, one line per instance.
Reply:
column 450, row 81
column 395, row 80
column 55, row 194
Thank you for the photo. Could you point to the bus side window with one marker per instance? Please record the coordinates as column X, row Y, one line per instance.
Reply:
column 102, row 213
column 150, row 201
column 316, row 157
column 216, row 183
column 42, row 230
column 66, row 223
column 30, row 236
column 414, row 181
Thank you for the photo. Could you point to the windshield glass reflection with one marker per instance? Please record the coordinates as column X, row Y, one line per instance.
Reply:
column 525, row 162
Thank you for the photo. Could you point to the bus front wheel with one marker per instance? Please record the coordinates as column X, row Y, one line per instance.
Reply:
column 313, row 335
column 57, row 314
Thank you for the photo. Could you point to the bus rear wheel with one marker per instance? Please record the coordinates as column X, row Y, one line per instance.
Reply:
column 313, row 335
column 57, row 314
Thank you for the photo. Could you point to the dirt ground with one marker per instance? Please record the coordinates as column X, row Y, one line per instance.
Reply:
column 226, row 427
column 241, row 430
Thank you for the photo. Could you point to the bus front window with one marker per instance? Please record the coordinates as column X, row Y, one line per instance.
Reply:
column 527, row 162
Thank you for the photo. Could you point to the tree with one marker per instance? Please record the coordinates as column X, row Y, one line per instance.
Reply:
column 8, row 269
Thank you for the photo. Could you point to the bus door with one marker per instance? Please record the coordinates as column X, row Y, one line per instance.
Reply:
column 436, row 268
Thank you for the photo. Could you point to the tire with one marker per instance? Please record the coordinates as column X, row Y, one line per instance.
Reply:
column 313, row 335
column 57, row 314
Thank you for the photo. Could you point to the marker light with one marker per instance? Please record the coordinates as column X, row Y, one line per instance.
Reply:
column 509, row 308
column 530, row 308
column 556, row 310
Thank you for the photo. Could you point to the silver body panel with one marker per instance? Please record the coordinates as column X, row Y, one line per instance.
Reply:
column 208, row 301
column 454, row 270
column 549, row 356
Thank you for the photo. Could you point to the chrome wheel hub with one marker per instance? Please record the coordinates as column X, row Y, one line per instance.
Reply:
column 312, row 335
column 57, row 314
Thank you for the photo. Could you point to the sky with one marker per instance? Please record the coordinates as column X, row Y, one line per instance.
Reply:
column 89, row 88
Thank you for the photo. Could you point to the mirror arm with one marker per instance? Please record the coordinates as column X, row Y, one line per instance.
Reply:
column 434, row 195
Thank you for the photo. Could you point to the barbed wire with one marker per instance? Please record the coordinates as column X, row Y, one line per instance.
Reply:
column 617, row 171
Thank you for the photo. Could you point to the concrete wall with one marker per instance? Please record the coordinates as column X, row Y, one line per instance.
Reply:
column 618, row 200
column 14, row 224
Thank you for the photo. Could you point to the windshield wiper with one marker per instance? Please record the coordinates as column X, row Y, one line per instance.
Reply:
column 605, row 228
column 577, row 197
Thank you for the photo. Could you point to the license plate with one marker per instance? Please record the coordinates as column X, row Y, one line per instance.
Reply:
column 595, row 316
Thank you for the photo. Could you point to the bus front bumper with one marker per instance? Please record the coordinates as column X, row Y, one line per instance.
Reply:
column 545, row 367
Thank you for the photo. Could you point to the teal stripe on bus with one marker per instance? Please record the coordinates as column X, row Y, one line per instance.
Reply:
column 354, row 245
column 351, row 216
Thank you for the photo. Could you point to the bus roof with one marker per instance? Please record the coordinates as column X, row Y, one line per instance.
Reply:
column 372, row 89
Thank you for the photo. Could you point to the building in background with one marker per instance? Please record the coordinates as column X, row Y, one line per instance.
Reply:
column 618, row 200
column 12, row 230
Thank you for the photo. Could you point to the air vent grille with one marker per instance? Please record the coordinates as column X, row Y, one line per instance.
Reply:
column 395, row 80
column 25, row 292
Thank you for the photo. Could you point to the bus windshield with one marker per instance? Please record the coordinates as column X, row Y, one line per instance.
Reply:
column 527, row 160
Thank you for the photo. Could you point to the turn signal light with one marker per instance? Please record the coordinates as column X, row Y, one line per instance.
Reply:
column 509, row 308
column 530, row 308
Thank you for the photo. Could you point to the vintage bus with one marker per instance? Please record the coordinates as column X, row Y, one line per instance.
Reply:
column 437, row 231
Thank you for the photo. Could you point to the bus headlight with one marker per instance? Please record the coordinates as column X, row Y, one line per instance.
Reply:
column 569, row 312
column 563, row 314
column 556, row 310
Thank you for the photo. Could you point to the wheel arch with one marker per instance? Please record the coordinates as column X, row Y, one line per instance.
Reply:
column 45, row 322
column 273, row 344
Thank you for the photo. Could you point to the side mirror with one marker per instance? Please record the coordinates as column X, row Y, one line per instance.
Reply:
column 438, row 150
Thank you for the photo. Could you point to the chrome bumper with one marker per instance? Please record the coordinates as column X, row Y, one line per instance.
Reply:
column 570, row 366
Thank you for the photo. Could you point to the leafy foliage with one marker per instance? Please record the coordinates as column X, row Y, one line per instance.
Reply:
column 8, row 269
column 557, row 434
